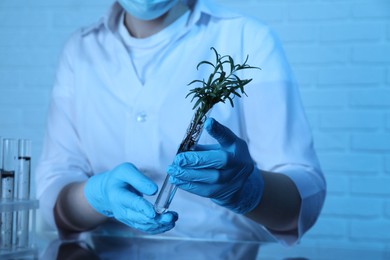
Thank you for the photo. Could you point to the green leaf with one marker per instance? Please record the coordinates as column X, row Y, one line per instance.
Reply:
column 197, row 80
column 204, row 62
column 231, row 101
column 219, row 86
column 197, row 103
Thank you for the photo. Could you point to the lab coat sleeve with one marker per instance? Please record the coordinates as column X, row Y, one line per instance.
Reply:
column 278, row 133
column 62, row 160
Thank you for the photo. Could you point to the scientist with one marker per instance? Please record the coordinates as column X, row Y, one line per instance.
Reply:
column 118, row 113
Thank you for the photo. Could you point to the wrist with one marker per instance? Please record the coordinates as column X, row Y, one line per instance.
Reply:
column 251, row 192
column 248, row 196
column 72, row 211
column 95, row 196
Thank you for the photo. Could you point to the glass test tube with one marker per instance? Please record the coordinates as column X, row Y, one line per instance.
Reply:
column 23, row 192
column 168, row 190
column 7, row 193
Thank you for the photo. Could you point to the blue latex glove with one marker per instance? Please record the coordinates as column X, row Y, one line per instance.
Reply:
column 225, row 173
column 118, row 193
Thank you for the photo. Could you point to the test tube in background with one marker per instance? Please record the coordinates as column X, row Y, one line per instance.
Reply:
column 23, row 191
column 7, row 192
column 24, row 169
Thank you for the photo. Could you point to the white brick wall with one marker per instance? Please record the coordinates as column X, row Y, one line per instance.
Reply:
column 32, row 34
column 339, row 50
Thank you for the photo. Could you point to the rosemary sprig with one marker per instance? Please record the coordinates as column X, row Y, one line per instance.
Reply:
column 220, row 86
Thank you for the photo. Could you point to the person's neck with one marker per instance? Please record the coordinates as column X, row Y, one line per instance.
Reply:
column 143, row 29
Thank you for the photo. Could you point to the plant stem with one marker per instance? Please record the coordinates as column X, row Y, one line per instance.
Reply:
column 219, row 88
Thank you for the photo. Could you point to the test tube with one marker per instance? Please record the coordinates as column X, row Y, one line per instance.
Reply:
column 168, row 190
column 7, row 193
column 23, row 191
column 24, row 169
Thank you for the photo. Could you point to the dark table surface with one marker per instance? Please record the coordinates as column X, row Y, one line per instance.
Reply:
column 48, row 247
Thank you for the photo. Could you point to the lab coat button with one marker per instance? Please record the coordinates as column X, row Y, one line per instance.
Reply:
column 141, row 117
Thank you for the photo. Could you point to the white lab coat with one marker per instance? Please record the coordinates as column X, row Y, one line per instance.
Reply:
column 107, row 109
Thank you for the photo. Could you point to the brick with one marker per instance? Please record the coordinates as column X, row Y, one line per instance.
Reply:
column 24, row 19
column 351, row 76
column 388, row 76
column 370, row 54
column 37, row 6
column 351, row 120
column 11, row 39
column 10, row 78
column 374, row 142
column 10, row 118
column 265, row 12
column 370, row 186
column 353, row 207
column 321, row 229
column 29, row 58
column 76, row 18
column 388, row 32
column 9, row 3
column 313, row 119
column 305, row 77
column 388, row 121
column 336, row 142
column 293, row 33
column 317, row 54
column 324, row 99
column 337, row 185
column 352, row 32
column 12, row 132
column 35, row 117
column 387, row 209
column 72, row 4
column 346, row 164
column 23, row 98
column 36, row 39
column 378, row 98
column 318, row 11
column 369, row 10
column 363, row 230
column 387, row 164
column 38, row 78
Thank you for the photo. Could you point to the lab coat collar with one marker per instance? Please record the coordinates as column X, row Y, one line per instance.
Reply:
column 108, row 21
column 199, row 7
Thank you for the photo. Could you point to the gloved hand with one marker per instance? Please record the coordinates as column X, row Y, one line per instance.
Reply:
column 225, row 173
column 118, row 193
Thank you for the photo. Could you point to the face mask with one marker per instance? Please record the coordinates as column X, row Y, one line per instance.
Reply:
column 147, row 9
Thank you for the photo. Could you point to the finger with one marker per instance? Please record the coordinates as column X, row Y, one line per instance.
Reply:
column 154, row 229
column 221, row 133
column 206, row 147
column 159, row 224
column 204, row 176
column 145, row 225
column 130, row 174
column 200, row 160
column 133, row 202
column 202, row 189
column 168, row 217
column 130, row 217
